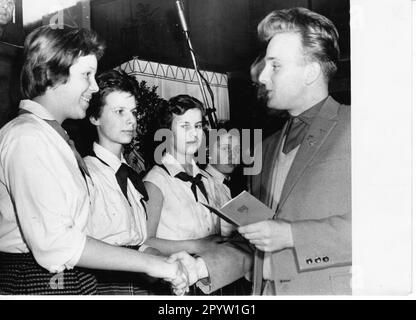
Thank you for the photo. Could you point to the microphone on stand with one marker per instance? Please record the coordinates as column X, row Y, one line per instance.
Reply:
column 179, row 7
column 212, row 118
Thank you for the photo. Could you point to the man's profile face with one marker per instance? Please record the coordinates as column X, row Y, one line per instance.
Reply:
column 6, row 11
column 284, row 73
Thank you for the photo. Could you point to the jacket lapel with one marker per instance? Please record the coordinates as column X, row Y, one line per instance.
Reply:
column 316, row 136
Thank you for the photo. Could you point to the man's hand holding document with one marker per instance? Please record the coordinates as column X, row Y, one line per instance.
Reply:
column 242, row 210
column 254, row 222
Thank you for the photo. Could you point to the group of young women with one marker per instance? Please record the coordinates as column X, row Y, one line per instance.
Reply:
column 85, row 226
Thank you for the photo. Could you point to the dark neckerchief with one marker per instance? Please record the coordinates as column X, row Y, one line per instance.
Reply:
column 195, row 182
column 227, row 183
column 126, row 172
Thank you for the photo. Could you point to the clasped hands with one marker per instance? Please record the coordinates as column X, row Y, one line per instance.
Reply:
column 190, row 270
column 180, row 281
column 268, row 236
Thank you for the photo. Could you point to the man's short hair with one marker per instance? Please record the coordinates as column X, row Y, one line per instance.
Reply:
column 177, row 105
column 49, row 53
column 108, row 82
column 319, row 35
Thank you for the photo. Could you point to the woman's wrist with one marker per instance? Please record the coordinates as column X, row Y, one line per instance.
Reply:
column 159, row 267
column 196, row 246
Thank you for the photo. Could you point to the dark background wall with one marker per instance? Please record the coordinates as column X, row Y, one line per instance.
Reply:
column 223, row 34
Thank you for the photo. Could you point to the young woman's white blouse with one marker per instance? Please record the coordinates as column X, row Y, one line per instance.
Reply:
column 181, row 218
column 44, row 202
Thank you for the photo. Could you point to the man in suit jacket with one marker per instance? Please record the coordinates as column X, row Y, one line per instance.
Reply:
column 306, row 173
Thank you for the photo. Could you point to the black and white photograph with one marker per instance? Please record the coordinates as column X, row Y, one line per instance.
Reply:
column 206, row 149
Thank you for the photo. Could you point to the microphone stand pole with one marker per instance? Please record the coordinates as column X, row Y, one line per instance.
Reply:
column 210, row 110
column 212, row 118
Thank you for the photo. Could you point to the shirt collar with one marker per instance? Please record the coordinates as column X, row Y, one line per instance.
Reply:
column 108, row 157
column 308, row 115
column 219, row 176
column 37, row 109
column 174, row 167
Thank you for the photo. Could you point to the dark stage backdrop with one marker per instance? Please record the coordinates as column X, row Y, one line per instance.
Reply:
column 223, row 33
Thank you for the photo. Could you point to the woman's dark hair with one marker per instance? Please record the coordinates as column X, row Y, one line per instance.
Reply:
column 177, row 105
column 108, row 82
column 49, row 53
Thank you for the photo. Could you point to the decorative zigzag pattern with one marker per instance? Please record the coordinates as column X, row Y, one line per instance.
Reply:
column 165, row 71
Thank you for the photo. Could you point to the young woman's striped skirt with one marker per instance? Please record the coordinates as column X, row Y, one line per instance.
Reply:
column 125, row 283
column 21, row 274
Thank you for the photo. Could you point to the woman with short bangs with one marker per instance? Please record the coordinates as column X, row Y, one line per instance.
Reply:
column 177, row 218
column 118, row 214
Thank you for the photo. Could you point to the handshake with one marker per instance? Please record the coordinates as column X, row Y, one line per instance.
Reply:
column 189, row 270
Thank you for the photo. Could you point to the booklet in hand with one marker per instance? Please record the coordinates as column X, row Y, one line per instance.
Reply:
column 242, row 210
